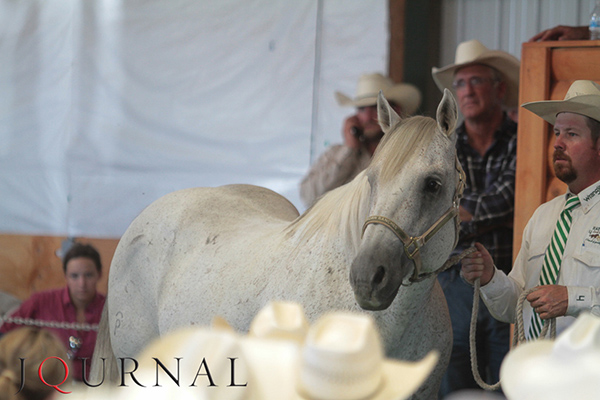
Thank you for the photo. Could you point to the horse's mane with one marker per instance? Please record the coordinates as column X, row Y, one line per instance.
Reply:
column 343, row 210
column 337, row 210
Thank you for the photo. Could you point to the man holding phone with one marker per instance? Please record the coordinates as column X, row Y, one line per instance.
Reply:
column 340, row 163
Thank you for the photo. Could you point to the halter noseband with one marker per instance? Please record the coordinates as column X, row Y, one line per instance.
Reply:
column 412, row 244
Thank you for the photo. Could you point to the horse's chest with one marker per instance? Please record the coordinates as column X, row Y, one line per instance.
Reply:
column 243, row 284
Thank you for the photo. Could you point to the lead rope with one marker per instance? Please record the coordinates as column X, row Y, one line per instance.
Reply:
column 518, row 334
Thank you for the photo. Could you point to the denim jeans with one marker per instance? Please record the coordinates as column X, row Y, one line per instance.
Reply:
column 492, row 340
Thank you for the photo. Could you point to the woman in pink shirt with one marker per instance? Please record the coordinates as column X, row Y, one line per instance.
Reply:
column 78, row 302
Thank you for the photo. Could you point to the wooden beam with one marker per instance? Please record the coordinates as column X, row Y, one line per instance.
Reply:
column 530, row 185
column 397, row 15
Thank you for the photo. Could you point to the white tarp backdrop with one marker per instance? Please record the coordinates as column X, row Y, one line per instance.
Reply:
column 107, row 105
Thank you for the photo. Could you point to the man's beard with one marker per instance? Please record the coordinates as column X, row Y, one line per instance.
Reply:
column 565, row 173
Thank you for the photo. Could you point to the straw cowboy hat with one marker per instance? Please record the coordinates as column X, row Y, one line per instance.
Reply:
column 262, row 369
column 407, row 96
column 280, row 320
column 220, row 364
column 568, row 368
column 473, row 52
column 277, row 320
column 342, row 359
column 583, row 97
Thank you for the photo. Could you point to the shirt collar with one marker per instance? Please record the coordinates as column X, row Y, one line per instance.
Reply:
column 97, row 301
column 502, row 132
column 589, row 197
column 65, row 298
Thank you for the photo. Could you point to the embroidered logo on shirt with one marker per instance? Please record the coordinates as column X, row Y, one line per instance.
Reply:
column 594, row 193
column 593, row 235
column 581, row 298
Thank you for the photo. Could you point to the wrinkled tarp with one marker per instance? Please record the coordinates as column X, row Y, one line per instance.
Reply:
column 107, row 105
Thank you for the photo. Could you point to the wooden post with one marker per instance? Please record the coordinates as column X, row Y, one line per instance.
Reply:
column 397, row 15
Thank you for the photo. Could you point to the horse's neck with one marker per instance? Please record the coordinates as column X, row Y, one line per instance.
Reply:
column 336, row 219
column 414, row 307
column 416, row 292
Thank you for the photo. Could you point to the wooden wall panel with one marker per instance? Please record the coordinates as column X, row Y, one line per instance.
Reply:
column 570, row 62
column 30, row 263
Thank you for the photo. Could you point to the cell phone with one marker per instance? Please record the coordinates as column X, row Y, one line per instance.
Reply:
column 358, row 133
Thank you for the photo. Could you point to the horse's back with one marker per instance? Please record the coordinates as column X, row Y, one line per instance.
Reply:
column 246, row 201
column 262, row 200
column 189, row 212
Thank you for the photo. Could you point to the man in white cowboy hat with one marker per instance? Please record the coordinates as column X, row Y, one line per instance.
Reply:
column 340, row 163
column 560, row 250
column 484, row 82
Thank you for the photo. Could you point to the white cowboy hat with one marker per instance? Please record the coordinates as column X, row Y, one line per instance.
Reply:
column 568, row 368
column 221, row 364
column 407, row 96
column 473, row 52
column 220, row 323
column 583, row 97
column 280, row 320
column 342, row 359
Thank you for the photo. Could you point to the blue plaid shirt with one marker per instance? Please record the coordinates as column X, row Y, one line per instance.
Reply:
column 490, row 193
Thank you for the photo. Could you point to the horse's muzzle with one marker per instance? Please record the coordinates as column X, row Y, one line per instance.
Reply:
column 375, row 281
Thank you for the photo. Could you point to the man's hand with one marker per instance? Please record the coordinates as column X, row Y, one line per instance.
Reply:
column 549, row 301
column 464, row 215
column 478, row 265
column 563, row 32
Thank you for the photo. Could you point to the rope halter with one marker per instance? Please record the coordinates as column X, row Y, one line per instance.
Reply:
column 413, row 244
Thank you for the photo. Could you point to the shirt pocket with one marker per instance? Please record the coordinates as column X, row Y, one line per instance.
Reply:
column 590, row 248
column 589, row 256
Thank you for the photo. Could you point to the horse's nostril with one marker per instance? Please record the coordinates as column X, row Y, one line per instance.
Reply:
column 379, row 275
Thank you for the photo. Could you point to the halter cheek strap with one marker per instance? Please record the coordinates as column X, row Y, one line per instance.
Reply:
column 413, row 244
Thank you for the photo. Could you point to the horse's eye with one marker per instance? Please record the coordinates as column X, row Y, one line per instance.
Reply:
column 432, row 186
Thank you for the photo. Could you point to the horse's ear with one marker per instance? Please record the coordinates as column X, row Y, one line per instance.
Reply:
column 386, row 114
column 447, row 113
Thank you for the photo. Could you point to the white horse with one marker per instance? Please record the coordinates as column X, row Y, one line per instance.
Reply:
column 199, row 253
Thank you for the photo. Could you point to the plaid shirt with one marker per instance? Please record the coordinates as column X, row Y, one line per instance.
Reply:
column 490, row 193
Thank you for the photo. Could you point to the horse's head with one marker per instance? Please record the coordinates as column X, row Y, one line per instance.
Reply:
column 412, row 226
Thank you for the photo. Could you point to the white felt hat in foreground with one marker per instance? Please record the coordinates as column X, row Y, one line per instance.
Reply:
column 567, row 368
